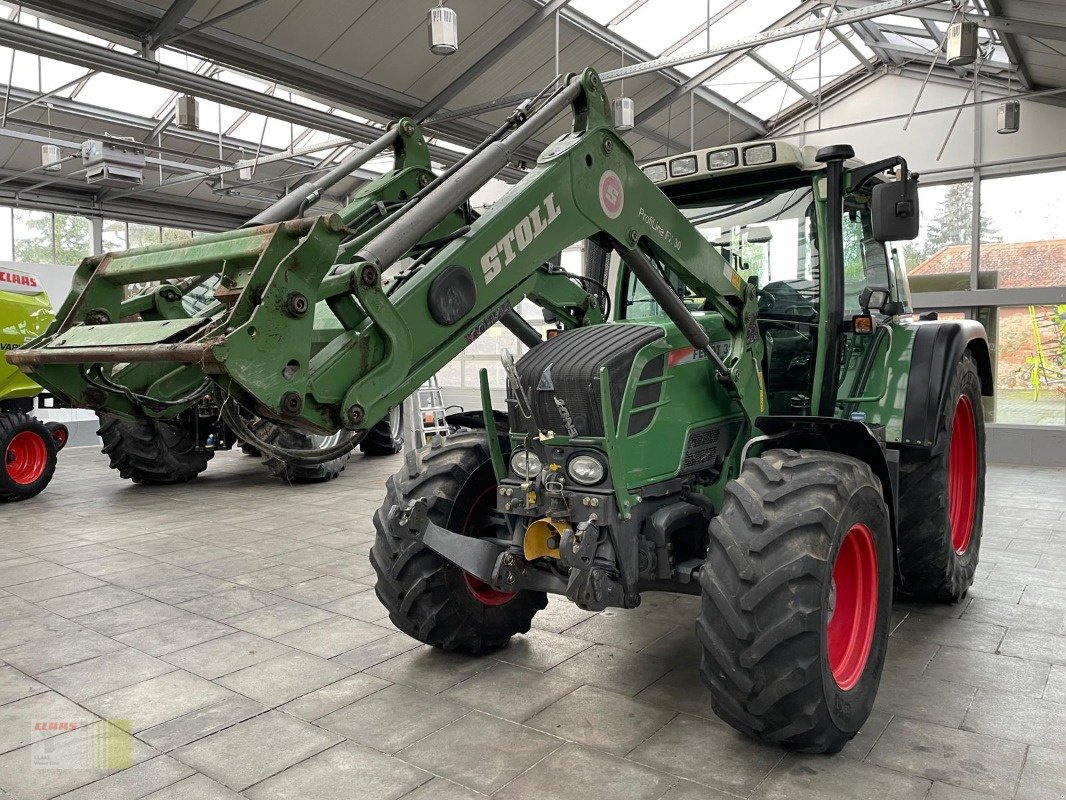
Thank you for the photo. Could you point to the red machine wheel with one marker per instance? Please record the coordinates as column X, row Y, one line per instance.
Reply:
column 29, row 457
column 853, row 614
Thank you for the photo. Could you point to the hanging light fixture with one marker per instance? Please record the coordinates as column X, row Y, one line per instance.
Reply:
column 443, row 30
column 51, row 157
column 623, row 108
column 186, row 112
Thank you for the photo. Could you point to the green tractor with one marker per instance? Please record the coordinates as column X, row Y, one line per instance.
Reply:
column 29, row 446
column 760, row 420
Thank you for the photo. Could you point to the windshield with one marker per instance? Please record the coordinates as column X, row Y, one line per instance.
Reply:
column 772, row 241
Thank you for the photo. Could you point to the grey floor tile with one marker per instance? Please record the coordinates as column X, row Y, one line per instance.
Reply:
column 200, row 722
column 157, row 700
column 839, row 778
column 1055, row 690
column 393, row 718
column 687, row 790
column 334, row 636
column 256, row 749
column 541, row 650
column 284, row 678
column 429, row 669
column 39, row 717
column 333, row 697
column 1037, row 645
column 104, row 673
column 49, row 588
column 195, row 787
column 274, row 620
column 601, row 719
column 175, row 634
column 682, row 746
column 229, row 603
column 362, row 605
column 922, row 697
column 133, row 783
column 348, row 770
column 954, row 632
column 186, row 588
column 1014, row 616
column 275, row 577
column 34, row 571
column 1022, row 719
column 588, row 775
column 319, row 591
column 961, row 758
column 91, row 600
column 628, row 629
column 441, row 789
column 681, row 689
column 511, row 692
column 15, row 685
column 58, row 650
column 63, row 763
column 613, row 669
column 148, row 575
column 1002, row 673
column 378, row 651
column 226, row 654
column 480, row 752
column 140, row 614
column 1044, row 775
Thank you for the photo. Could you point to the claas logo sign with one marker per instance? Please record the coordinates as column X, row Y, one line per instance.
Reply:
column 11, row 281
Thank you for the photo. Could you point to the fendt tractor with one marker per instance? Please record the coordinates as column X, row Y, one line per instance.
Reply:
column 29, row 447
column 760, row 420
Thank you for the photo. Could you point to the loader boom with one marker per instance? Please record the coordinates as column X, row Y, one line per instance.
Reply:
column 396, row 328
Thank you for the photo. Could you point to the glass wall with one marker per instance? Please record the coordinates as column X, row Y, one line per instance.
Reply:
column 1022, row 246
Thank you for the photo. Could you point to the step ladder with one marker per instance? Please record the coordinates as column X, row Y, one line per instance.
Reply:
column 428, row 414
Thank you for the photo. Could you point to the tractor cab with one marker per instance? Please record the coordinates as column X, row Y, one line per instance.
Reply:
column 762, row 207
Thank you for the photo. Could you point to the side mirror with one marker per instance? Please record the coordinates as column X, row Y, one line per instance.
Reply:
column 894, row 211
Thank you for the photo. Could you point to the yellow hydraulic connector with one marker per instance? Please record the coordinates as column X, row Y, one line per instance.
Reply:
column 542, row 538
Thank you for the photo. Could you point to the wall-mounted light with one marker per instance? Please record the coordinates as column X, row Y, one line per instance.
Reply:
column 443, row 26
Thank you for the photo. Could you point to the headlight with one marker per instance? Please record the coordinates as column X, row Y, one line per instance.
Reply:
column 722, row 159
column 525, row 464
column 759, row 154
column 680, row 167
column 655, row 172
column 585, row 469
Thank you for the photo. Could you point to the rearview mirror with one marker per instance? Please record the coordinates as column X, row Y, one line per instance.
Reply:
column 894, row 209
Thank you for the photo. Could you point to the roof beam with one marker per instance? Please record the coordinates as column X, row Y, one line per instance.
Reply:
column 160, row 41
column 1018, row 27
column 843, row 38
column 781, row 76
column 130, row 18
column 721, row 66
column 1010, row 45
column 74, row 51
column 168, row 23
column 479, row 67
column 590, row 27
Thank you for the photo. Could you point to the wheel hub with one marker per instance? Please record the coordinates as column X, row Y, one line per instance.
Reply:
column 852, row 607
column 962, row 475
column 25, row 458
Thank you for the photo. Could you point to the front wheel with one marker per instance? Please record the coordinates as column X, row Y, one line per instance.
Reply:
column 29, row 453
column 428, row 597
column 797, row 596
column 153, row 451
column 942, row 497
column 386, row 437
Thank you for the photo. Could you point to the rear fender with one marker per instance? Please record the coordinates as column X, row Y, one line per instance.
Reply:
column 839, row 436
column 937, row 348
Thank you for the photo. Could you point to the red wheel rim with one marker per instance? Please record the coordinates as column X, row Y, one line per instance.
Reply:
column 25, row 458
column 60, row 437
column 962, row 475
column 853, row 607
column 483, row 592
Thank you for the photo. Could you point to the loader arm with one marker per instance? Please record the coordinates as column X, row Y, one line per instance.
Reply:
column 397, row 331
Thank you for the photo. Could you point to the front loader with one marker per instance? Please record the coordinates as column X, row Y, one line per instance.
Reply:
column 761, row 422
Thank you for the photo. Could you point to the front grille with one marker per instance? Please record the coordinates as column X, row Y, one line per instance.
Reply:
column 568, row 368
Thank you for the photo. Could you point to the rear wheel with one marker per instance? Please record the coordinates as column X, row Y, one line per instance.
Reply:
column 153, row 451
column 428, row 597
column 941, row 497
column 295, row 470
column 797, row 595
column 29, row 457
column 385, row 438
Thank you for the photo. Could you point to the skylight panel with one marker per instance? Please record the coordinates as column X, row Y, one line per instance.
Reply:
column 603, row 11
column 657, row 25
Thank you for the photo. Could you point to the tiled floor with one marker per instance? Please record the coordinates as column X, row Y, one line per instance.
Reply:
column 231, row 625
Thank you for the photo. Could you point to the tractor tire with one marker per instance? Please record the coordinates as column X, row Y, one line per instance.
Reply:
column 293, row 471
column 797, row 599
column 385, row 438
column 942, row 497
column 29, row 457
column 152, row 452
column 251, row 450
column 428, row 597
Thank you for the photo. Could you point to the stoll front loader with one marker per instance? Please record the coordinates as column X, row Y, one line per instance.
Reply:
column 761, row 422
